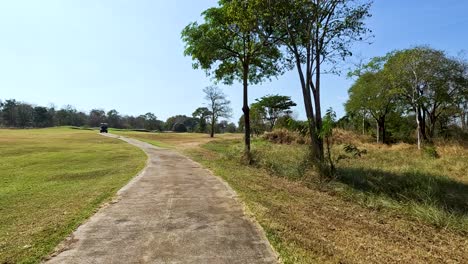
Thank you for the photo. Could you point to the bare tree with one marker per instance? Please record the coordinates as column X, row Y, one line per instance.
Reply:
column 218, row 105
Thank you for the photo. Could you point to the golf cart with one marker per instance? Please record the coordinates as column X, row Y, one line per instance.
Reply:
column 103, row 128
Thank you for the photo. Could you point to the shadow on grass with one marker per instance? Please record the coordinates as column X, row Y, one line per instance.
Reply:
column 447, row 194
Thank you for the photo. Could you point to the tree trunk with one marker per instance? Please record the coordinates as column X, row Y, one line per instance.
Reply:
column 432, row 123
column 381, row 130
column 363, row 125
column 246, row 110
column 422, row 122
column 377, row 131
column 318, row 111
column 418, row 129
column 384, row 137
column 306, row 94
column 212, row 126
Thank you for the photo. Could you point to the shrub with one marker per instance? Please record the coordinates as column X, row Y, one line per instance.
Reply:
column 284, row 136
column 353, row 150
column 431, row 152
column 179, row 127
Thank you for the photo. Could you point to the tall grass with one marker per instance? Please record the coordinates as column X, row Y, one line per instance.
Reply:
column 396, row 178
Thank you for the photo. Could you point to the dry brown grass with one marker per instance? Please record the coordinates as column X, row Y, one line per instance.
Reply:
column 284, row 136
column 313, row 224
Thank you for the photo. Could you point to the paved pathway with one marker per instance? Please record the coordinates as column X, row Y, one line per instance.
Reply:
column 173, row 212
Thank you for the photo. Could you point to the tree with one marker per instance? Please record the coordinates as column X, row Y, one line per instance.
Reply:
column 180, row 128
column 114, row 119
column 257, row 120
column 373, row 94
column 231, row 128
column 222, row 126
column 318, row 32
column 202, row 114
column 235, row 42
column 429, row 83
column 96, row 117
column 327, row 134
column 152, row 122
column 42, row 117
column 10, row 113
column 273, row 107
column 218, row 105
column 188, row 122
column 25, row 115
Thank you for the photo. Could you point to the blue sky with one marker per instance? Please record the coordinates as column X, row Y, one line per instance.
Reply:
column 127, row 54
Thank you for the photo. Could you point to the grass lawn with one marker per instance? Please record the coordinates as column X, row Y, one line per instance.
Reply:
column 179, row 141
column 51, row 180
column 391, row 205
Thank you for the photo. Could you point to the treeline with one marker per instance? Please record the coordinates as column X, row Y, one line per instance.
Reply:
column 412, row 95
column 16, row 114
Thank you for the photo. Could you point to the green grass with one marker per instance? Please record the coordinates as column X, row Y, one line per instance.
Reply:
column 51, row 180
column 173, row 140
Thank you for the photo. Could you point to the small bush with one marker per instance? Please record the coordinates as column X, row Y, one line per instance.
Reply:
column 431, row 152
column 341, row 136
column 353, row 150
column 284, row 136
column 179, row 127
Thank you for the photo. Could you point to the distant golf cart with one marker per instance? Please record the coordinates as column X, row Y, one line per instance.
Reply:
column 103, row 128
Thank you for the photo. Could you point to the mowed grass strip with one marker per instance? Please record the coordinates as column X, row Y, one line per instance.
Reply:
column 51, row 180
column 178, row 141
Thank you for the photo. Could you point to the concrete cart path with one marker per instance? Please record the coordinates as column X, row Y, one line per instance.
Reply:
column 174, row 211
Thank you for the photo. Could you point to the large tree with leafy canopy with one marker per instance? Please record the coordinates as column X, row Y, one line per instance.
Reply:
column 202, row 114
column 316, row 34
column 371, row 92
column 235, row 43
column 429, row 83
column 273, row 107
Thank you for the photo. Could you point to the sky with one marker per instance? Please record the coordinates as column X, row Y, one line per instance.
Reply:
column 128, row 54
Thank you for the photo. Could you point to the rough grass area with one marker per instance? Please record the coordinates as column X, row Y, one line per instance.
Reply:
column 389, row 221
column 401, row 177
column 51, row 180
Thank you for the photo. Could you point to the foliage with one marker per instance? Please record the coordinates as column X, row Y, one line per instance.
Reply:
column 372, row 94
column 24, row 115
column 234, row 43
column 422, row 84
column 284, row 136
column 202, row 114
column 96, row 117
column 431, row 152
column 353, row 150
column 180, row 127
column 231, row 128
column 429, row 83
column 317, row 33
column 189, row 123
column 272, row 107
column 327, row 134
